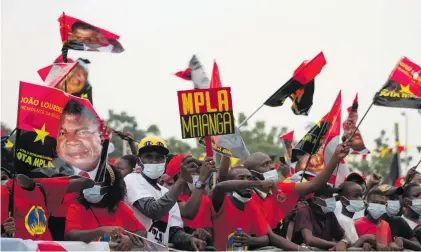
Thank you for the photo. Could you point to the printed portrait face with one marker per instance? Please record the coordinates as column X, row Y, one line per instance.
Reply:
column 79, row 141
column 75, row 81
column 315, row 165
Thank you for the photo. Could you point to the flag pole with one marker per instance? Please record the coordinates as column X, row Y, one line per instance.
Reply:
column 317, row 140
column 252, row 114
column 419, row 162
column 359, row 123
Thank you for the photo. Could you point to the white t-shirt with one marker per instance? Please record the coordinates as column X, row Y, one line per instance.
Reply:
column 348, row 226
column 158, row 230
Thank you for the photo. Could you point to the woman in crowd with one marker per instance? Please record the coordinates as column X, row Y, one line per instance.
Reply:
column 101, row 214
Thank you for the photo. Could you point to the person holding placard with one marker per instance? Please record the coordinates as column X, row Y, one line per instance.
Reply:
column 155, row 206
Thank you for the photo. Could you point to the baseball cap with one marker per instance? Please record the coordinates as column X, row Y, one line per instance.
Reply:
column 386, row 190
column 355, row 175
column 152, row 143
column 173, row 167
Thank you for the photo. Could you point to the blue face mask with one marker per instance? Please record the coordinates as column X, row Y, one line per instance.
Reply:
column 330, row 205
column 355, row 206
column 393, row 207
column 93, row 195
column 376, row 210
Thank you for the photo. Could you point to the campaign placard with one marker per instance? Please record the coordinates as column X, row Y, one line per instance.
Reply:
column 206, row 112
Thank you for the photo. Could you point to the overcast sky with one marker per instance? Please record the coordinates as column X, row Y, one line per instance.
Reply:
column 257, row 45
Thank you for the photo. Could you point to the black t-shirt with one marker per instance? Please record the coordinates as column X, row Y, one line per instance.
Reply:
column 399, row 227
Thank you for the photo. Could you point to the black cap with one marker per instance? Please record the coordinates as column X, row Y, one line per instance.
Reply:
column 386, row 190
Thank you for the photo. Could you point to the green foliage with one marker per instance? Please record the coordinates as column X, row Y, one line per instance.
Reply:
column 256, row 138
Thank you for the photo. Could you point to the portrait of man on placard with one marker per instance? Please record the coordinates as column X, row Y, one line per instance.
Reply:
column 86, row 37
column 79, row 140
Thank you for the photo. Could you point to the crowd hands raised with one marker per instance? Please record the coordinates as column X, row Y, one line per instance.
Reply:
column 173, row 200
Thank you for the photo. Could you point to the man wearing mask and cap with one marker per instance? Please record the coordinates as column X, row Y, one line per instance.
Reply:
column 155, row 206
column 372, row 223
column 401, row 232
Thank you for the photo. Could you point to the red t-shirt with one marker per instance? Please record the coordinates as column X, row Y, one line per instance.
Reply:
column 382, row 231
column 229, row 218
column 30, row 213
column 61, row 210
column 80, row 218
column 203, row 216
column 276, row 205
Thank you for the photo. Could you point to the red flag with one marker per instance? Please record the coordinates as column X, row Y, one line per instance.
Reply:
column 288, row 136
column 82, row 36
column 308, row 70
column 216, row 80
column 185, row 75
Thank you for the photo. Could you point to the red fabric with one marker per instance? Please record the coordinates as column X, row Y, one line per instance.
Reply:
column 49, row 246
column 203, row 217
column 278, row 204
column 399, row 182
column 173, row 167
column 61, row 211
column 30, row 213
column 185, row 75
column 80, row 218
column 288, row 136
column 308, row 70
column 215, row 80
column 229, row 218
column 382, row 232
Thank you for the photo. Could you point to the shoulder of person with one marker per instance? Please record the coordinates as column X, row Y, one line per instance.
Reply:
column 133, row 178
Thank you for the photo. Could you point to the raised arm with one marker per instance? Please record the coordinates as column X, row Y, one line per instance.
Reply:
column 190, row 208
column 341, row 152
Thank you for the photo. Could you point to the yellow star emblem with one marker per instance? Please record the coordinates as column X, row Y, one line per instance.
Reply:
column 405, row 89
column 41, row 134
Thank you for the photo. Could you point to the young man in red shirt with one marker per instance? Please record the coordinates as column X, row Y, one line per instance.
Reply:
column 233, row 208
column 34, row 201
column 277, row 204
column 372, row 224
column 195, row 206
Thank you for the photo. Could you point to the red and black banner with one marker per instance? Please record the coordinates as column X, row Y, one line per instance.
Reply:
column 300, row 88
column 314, row 139
column 403, row 88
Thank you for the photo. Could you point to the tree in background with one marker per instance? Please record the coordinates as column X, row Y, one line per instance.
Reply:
column 256, row 138
column 376, row 163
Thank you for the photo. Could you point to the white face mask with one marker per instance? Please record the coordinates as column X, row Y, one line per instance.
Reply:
column 240, row 198
column 93, row 195
column 355, row 206
column 393, row 207
column 192, row 185
column 271, row 175
column 416, row 206
column 153, row 171
column 376, row 210
column 3, row 182
column 330, row 205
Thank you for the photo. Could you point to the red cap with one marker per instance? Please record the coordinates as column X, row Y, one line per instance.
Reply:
column 173, row 167
column 356, row 174
column 399, row 182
